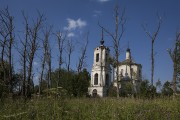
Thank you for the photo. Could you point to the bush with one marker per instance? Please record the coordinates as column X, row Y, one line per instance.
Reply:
column 55, row 92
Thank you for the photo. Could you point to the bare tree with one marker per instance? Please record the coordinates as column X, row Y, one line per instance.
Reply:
column 83, row 56
column 3, row 42
column 174, row 56
column 120, row 21
column 60, row 41
column 7, row 32
column 69, row 49
column 45, row 58
column 33, row 46
column 23, row 54
column 48, row 54
column 153, row 37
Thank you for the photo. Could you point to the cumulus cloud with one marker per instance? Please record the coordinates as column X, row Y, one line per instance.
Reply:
column 103, row 0
column 71, row 34
column 74, row 24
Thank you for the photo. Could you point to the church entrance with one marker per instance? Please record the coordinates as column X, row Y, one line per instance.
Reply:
column 94, row 93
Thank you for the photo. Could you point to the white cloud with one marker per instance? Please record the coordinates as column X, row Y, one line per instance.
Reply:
column 74, row 24
column 97, row 13
column 36, row 79
column 35, row 63
column 71, row 34
column 103, row 0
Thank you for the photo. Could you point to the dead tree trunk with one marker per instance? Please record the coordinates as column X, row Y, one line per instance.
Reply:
column 3, row 43
column 7, row 29
column 44, row 59
column 33, row 46
column 174, row 56
column 81, row 61
column 11, row 40
column 60, row 41
column 116, row 37
column 23, row 55
column 42, row 72
column 153, row 38
column 49, row 69
column 69, row 49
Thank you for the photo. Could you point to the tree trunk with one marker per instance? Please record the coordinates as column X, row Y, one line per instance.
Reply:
column 152, row 63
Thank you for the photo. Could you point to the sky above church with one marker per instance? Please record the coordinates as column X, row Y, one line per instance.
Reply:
column 82, row 16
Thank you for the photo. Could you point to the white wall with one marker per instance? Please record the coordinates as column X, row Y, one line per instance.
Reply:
column 135, row 68
column 102, row 67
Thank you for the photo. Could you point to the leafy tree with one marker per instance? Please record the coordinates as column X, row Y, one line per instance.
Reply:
column 167, row 90
column 15, row 83
column 5, row 84
column 127, row 89
column 81, row 83
column 158, row 84
column 112, row 91
column 76, row 84
column 146, row 90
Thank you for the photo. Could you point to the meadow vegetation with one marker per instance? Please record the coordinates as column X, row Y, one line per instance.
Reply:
column 90, row 109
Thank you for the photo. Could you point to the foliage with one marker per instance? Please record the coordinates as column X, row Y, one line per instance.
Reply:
column 112, row 91
column 5, row 84
column 167, row 90
column 146, row 90
column 126, row 89
column 178, row 62
column 56, row 92
column 76, row 84
column 81, row 83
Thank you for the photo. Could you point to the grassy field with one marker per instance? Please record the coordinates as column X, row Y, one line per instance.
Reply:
column 91, row 109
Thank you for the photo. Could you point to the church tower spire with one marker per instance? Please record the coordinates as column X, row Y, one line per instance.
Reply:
column 102, row 38
column 101, row 70
column 128, row 53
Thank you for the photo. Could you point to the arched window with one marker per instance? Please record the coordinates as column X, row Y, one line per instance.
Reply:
column 97, row 57
column 94, row 93
column 106, row 57
column 107, row 80
column 96, row 79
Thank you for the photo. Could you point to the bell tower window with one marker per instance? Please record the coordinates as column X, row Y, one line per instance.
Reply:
column 107, row 80
column 106, row 57
column 97, row 57
column 96, row 79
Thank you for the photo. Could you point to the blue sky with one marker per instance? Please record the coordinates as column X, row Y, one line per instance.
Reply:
column 82, row 16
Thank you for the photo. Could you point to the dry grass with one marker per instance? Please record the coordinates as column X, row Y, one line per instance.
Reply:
column 91, row 109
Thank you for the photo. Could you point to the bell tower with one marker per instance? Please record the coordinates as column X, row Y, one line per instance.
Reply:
column 101, row 71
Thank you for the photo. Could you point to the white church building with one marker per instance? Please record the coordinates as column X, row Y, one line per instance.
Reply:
column 103, row 74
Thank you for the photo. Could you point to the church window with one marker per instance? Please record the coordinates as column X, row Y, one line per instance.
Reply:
column 122, row 71
column 94, row 93
column 107, row 80
column 132, row 70
column 139, row 73
column 106, row 57
column 97, row 57
column 96, row 79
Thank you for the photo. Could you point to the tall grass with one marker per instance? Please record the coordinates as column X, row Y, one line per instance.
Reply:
column 91, row 109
